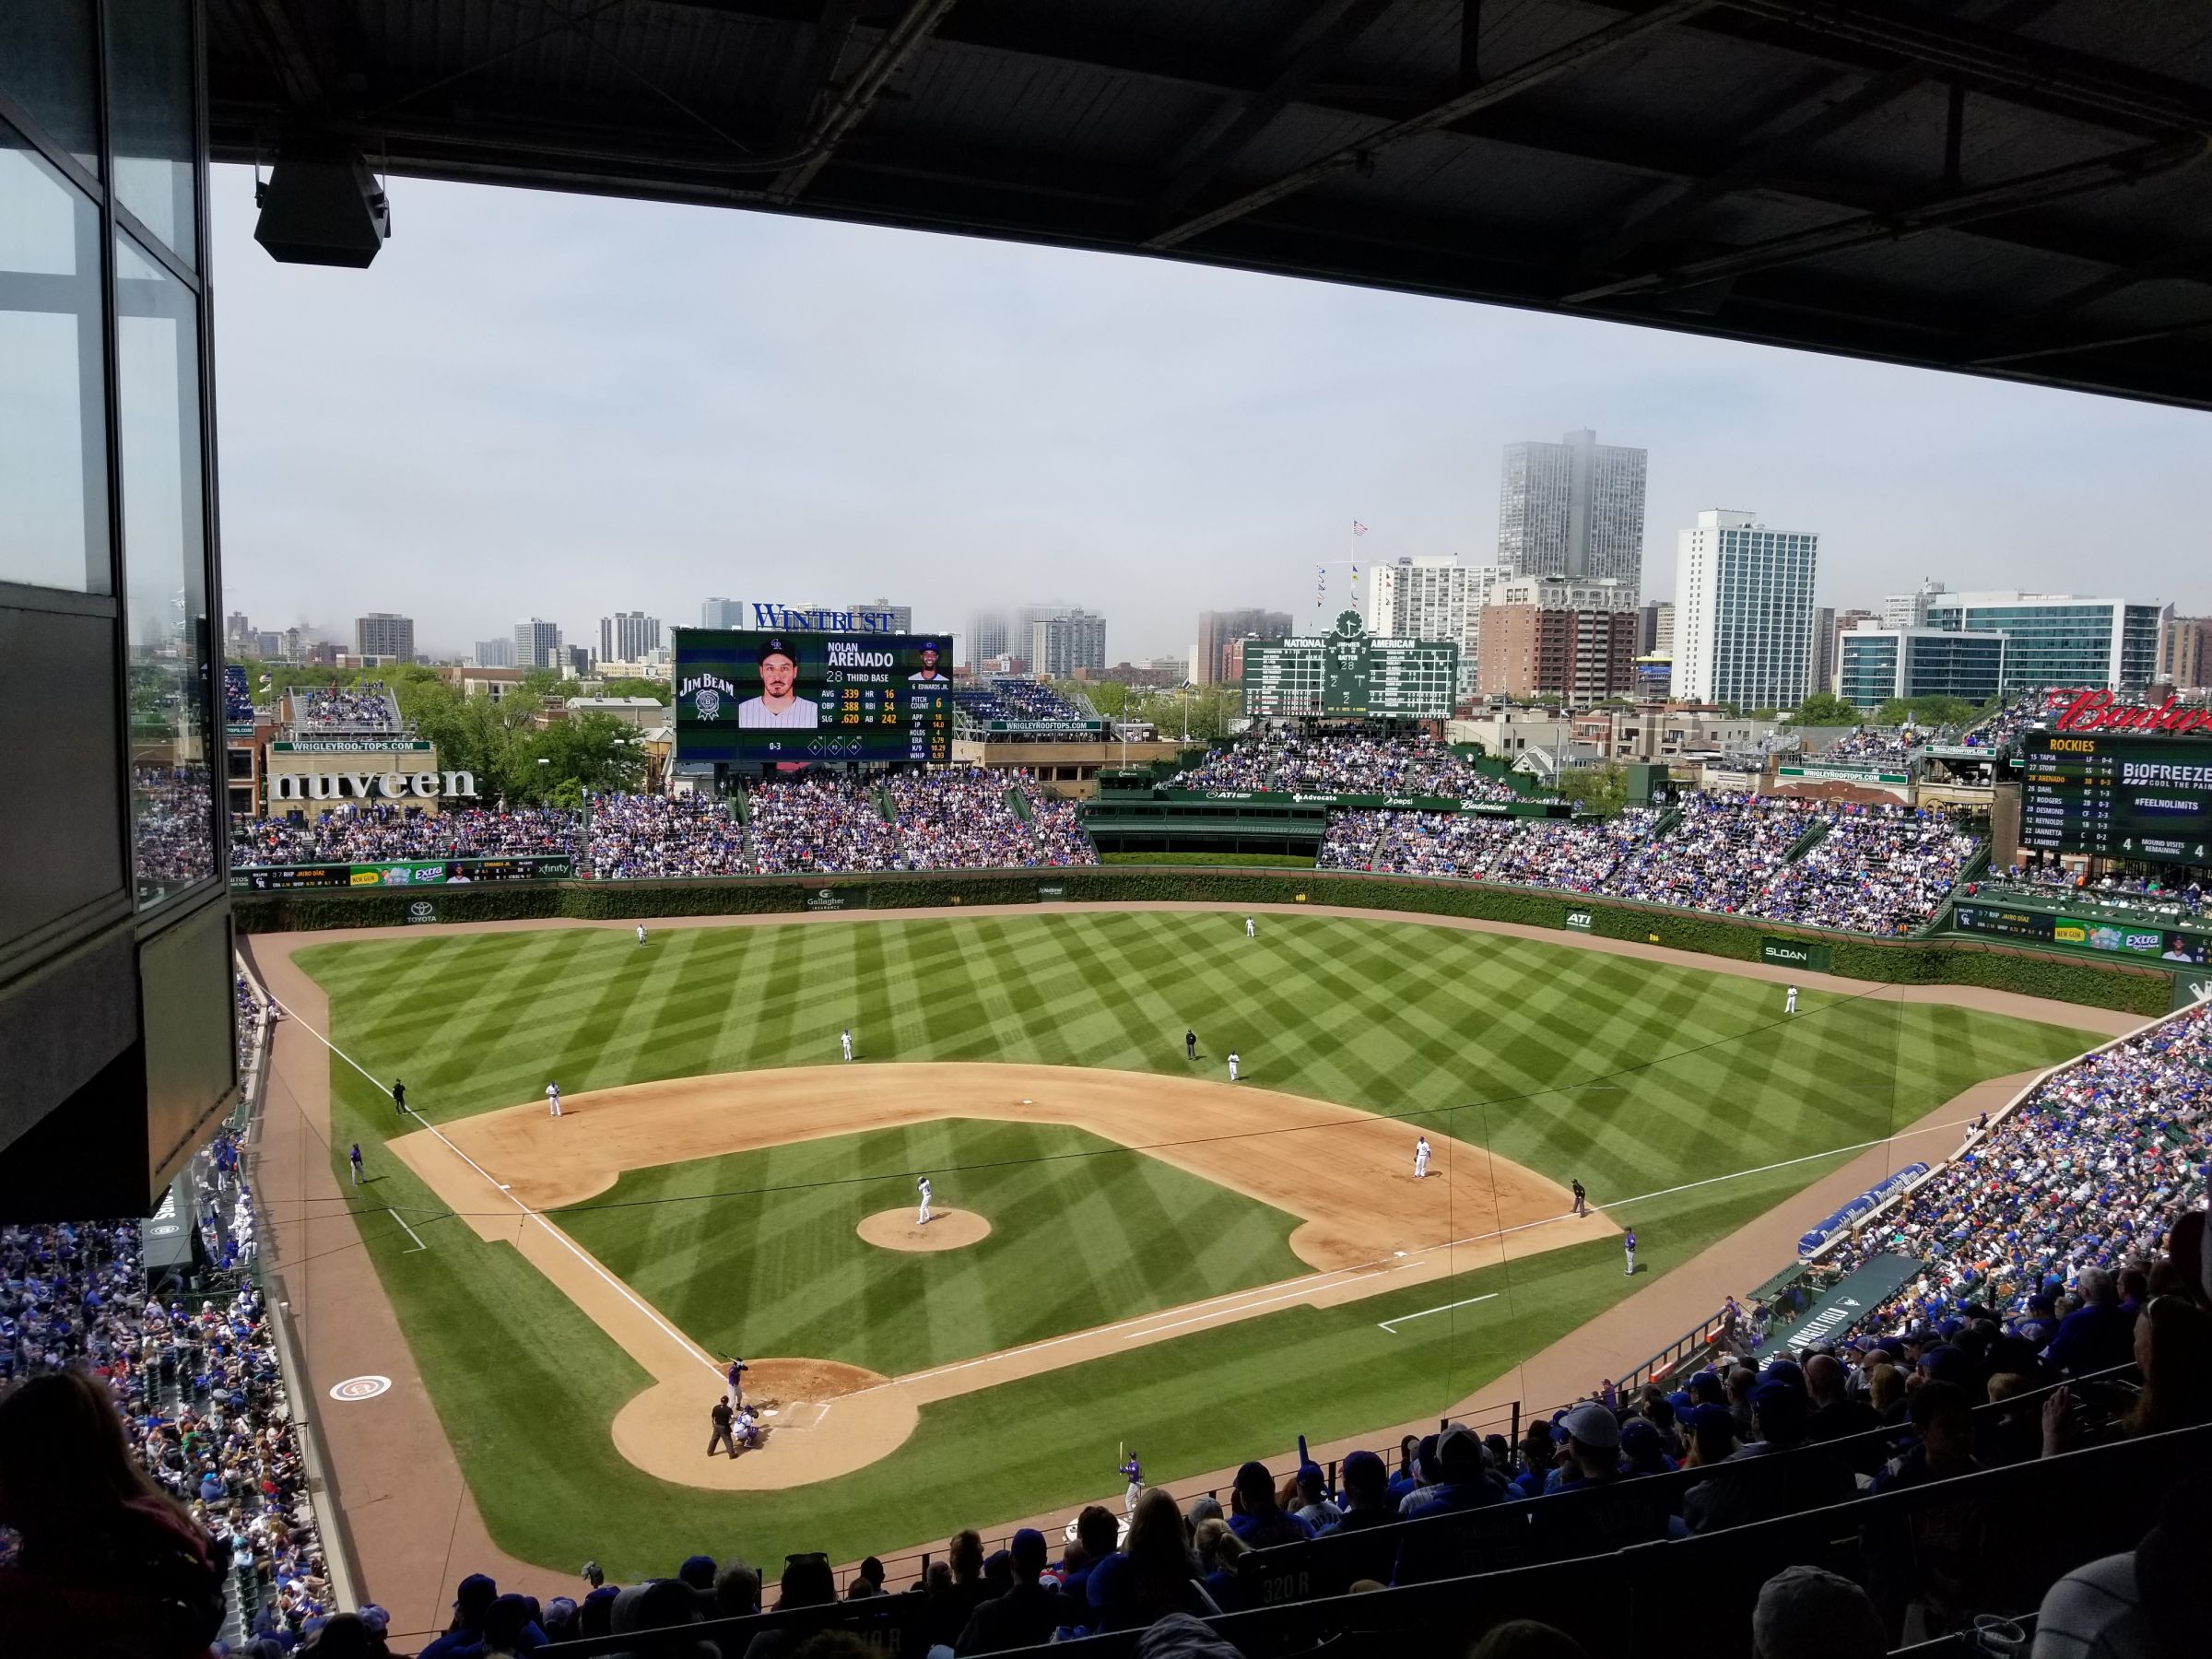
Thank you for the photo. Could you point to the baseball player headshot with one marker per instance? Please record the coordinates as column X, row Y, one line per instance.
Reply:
column 929, row 673
column 922, row 1186
column 552, row 1100
column 1420, row 1158
column 779, row 704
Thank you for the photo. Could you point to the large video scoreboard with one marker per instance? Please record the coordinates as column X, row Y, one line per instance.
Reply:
column 783, row 699
column 2117, row 797
column 1349, row 671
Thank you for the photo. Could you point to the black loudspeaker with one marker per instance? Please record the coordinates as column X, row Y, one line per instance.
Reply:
column 322, row 205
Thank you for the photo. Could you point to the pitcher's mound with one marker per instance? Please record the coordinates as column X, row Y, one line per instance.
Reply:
column 948, row 1229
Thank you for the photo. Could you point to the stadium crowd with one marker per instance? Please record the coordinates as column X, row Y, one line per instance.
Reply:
column 2133, row 898
column 378, row 833
column 2089, row 1170
column 237, row 698
column 1722, row 852
column 958, row 819
column 1998, row 728
column 1878, row 870
column 1339, row 763
column 170, row 807
column 365, row 707
column 825, row 823
column 1875, row 746
column 1571, row 855
column 1061, row 840
column 1004, row 697
column 636, row 837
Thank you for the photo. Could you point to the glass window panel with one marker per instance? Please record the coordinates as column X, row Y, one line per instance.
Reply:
column 53, row 435
column 47, row 65
column 150, row 84
column 164, row 547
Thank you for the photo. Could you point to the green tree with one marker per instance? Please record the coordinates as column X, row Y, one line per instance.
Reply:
column 1941, row 711
column 1601, row 789
column 1110, row 698
column 656, row 690
column 1894, row 712
column 559, row 764
column 1825, row 709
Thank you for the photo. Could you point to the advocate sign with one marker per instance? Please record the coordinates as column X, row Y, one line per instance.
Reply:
column 373, row 786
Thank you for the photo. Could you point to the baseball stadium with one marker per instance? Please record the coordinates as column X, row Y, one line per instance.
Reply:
column 896, row 1157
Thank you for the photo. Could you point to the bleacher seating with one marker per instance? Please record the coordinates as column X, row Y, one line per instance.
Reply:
column 1017, row 700
column 337, row 710
column 237, row 698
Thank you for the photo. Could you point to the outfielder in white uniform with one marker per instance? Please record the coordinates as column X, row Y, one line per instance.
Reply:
column 1420, row 1158
column 1790, row 1004
column 1250, row 932
column 845, row 1042
column 922, row 1218
column 553, row 1098
column 640, row 932
column 1232, row 1066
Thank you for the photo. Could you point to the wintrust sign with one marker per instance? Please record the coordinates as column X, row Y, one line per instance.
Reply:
column 373, row 786
column 2102, row 712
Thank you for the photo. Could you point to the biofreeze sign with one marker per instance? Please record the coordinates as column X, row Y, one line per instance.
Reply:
column 373, row 786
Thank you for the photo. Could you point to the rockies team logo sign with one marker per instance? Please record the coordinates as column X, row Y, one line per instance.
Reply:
column 355, row 1389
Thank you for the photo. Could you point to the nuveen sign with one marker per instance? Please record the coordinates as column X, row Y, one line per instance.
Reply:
column 371, row 786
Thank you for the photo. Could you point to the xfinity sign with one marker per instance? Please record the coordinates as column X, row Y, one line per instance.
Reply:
column 373, row 786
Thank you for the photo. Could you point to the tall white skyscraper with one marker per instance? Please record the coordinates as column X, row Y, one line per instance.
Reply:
column 1433, row 598
column 1574, row 508
column 1743, row 612
column 383, row 634
column 1910, row 610
column 495, row 653
column 537, row 644
column 722, row 613
column 628, row 636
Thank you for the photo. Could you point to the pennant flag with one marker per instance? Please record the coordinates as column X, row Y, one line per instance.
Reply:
column 1358, row 528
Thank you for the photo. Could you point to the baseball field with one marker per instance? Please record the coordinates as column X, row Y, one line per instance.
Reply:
column 1136, row 1253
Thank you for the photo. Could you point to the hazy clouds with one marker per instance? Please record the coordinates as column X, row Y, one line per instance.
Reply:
column 551, row 405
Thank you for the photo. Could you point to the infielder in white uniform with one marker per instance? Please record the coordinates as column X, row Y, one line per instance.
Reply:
column 553, row 1098
column 1790, row 1004
column 1232, row 1066
column 1250, row 932
column 923, row 1219
column 845, row 1042
column 1420, row 1158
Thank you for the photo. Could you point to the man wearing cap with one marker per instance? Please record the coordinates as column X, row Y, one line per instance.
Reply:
column 1811, row 1611
column 1022, row 1618
column 779, row 706
column 1423, row 1552
column 1314, row 1506
column 1259, row 1520
column 1812, row 1478
column 472, row 1603
column 928, row 674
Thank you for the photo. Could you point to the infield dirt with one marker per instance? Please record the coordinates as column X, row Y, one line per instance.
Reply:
column 1365, row 1223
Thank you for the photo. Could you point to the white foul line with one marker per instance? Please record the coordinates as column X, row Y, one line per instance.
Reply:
column 411, row 1232
column 1447, row 1308
column 691, row 1348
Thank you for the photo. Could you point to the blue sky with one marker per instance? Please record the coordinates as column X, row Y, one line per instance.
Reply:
column 558, row 405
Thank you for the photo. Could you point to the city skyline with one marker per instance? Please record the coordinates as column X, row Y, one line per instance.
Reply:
column 654, row 404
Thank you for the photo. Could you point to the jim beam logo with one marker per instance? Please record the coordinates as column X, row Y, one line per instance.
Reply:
column 706, row 692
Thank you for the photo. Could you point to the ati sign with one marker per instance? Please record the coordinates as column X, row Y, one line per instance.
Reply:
column 1580, row 921
column 2102, row 712
column 373, row 786
column 1789, row 953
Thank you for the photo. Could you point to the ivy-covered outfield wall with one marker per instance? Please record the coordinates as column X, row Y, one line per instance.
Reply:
column 1916, row 961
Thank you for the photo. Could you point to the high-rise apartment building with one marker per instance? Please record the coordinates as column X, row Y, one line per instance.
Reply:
column 2053, row 640
column 627, row 637
column 237, row 631
column 1910, row 610
column 722, row 613
column 1574, row 639
column 537, row 644
column 1877, row 663
column 383, row 634
column 1435, row 598
column 1219, row 629
column 495, row 653
column 1823, row 677
column 1574, row 508
column 1063, row 642
column 2185, row 653
column 1743, row 612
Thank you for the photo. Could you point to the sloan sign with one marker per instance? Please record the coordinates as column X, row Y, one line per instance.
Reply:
column 2102, row 712
column 373, row 786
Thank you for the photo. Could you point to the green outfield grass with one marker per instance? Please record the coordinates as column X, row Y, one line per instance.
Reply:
column 778, row 1269
column 1638, row 1077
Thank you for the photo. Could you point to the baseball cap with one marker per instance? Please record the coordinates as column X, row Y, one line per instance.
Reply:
column 1364, row 1466
column 478, row 1589
column 1593, row 1426
column 1027, row 1545
column 1945, row 1363
column 777, row 648
column 1811, row 1611
column 1710, row 1415
column 376, row 1618
column 698, row 1571
column 1459, row 1454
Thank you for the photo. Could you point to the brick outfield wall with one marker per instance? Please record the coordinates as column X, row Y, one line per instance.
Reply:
column 1914, row 961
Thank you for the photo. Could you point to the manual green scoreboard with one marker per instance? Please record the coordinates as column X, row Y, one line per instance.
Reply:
column 1350, row 673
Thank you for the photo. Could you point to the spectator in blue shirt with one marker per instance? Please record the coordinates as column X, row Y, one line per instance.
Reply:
column 1259, row 1520
column 2098, row 1335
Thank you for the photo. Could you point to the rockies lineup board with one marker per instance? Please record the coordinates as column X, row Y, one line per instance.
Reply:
column 2117, row 797
column 1349, row 672
column 753, row 698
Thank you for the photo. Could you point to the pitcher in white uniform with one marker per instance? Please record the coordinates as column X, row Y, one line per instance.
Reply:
column 922, row 1219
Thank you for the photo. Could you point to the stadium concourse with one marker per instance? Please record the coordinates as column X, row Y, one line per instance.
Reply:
column 395, row 1456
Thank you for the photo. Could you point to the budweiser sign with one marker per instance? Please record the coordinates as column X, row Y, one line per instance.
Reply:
column 2102, row 712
